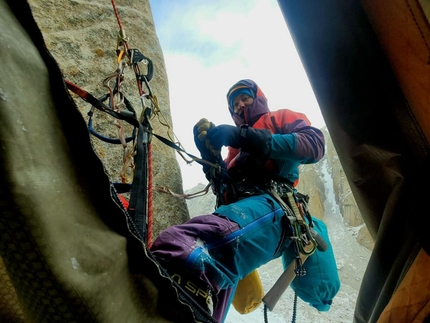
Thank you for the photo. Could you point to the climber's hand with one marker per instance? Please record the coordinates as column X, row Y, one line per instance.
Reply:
column 200, row 131
column 201, row 128
column 223, row 135
column 254, row 141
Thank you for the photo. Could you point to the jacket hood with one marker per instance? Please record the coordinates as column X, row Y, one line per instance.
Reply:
column 252, row 112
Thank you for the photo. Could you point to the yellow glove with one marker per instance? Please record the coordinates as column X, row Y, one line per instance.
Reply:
column 249, row 293
column 202, row 128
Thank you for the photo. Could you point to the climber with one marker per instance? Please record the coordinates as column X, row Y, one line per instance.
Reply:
column 211, row 254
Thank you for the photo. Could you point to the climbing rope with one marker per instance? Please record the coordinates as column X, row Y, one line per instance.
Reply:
column 140, row 203
column 299, row 271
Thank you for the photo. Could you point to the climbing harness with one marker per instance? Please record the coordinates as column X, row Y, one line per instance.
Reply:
column 294, row 211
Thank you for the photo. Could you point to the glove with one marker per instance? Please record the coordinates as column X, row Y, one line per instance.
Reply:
column 257, row 141
column 202, row 127
column 200, row 131
column 224, row 135
column 253, row 141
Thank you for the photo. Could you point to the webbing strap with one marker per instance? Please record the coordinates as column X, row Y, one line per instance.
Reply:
column 293, row 206
column 91, row 99
column 138, row 196
column 138, row 204
column 289, row 212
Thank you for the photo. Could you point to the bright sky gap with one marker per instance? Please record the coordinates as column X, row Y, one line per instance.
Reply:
column 209, row 45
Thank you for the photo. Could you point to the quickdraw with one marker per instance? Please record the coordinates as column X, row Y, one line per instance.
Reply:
column 294, row 205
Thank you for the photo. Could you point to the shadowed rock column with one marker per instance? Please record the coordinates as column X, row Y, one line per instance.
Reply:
column 82, row 37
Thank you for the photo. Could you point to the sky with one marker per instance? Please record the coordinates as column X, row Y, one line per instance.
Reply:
column 210, row 45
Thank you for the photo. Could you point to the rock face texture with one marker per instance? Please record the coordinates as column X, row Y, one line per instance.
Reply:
column 83, row 37
column 343, row 195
